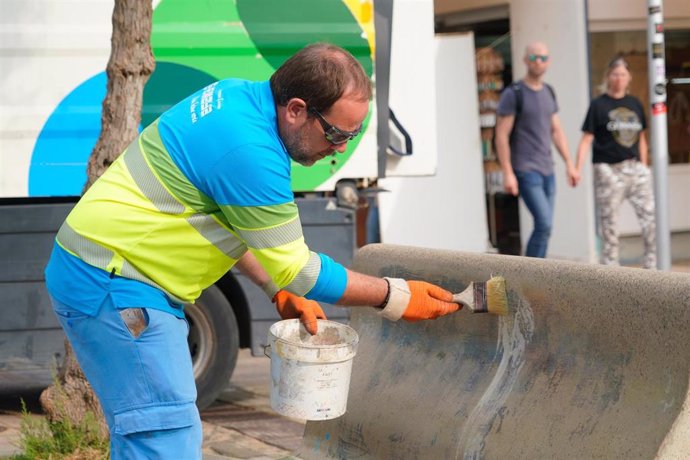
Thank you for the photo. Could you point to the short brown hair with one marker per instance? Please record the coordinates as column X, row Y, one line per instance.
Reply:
column 320, row 74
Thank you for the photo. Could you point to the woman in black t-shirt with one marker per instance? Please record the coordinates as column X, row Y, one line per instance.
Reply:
column 615, row 129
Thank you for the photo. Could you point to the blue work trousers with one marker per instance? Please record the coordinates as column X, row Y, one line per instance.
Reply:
column 138, row 363
column 539, row 193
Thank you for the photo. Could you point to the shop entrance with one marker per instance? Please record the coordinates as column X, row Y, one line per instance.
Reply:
column 494, row 72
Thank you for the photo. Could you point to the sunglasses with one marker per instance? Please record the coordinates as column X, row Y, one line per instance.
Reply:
column 534, row 57
column 331, row 133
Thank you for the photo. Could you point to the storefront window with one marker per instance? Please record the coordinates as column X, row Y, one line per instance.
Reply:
column 678, row 89
column 633, row 45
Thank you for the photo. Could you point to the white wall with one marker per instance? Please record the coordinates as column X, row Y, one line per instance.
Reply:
column 447, row 210
column 562, row 26
column 608, row 15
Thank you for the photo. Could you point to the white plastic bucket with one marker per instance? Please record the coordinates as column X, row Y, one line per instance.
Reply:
column 310, row 375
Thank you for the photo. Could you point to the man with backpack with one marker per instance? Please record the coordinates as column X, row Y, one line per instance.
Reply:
column 526, row 125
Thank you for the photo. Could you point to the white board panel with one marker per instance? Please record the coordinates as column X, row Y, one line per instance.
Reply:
column 446, row 210
column 412, row 97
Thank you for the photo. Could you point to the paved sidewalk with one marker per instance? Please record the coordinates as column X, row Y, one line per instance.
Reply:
column 224, row 443
column 9, row 433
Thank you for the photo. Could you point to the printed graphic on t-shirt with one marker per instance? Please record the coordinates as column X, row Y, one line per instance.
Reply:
column 624, row 125
column 202, row 106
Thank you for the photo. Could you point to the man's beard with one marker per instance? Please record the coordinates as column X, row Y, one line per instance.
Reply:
column 297, row 150
column 536, row 74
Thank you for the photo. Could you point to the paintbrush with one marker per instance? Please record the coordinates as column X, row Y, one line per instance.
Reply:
column 485, row 297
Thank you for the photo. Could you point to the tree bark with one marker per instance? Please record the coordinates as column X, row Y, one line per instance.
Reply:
column 130, row 65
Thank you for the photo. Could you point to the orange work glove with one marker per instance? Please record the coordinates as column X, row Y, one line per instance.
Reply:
column 290, row 306
column 416, row 301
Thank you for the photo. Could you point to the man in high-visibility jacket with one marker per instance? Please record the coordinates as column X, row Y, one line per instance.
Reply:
column 203, row 188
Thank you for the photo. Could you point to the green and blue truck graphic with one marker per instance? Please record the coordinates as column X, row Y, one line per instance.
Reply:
column 56, row 81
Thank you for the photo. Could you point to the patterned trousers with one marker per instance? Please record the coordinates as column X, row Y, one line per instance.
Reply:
column 613, row 183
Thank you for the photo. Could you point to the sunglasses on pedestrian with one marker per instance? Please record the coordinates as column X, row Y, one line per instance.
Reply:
column 534, row 57
column 333, row 134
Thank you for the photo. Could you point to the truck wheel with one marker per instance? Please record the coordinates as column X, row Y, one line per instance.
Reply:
column 214, row 342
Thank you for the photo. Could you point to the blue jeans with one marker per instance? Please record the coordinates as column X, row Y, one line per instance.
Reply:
column 138, row 363
column 538, row 192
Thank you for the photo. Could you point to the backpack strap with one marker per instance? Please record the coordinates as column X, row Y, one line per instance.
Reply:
column 553, row 93
column 517, row 89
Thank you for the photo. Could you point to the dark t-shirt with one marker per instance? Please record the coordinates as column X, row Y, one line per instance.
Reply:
column 616, row 125
column 530, row 143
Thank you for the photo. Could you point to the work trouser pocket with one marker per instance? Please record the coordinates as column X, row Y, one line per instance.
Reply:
column 135, row 319
column 157, row 432
column 155, row 418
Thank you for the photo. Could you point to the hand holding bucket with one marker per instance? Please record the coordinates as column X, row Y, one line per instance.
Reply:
column 290, row 306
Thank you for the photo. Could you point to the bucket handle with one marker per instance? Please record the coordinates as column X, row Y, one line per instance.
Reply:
column 267, row 350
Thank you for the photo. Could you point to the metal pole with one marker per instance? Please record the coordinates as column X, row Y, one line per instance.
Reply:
column 383, row 23
column 659, row 136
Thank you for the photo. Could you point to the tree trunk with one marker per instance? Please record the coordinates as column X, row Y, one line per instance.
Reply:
column 130, row 65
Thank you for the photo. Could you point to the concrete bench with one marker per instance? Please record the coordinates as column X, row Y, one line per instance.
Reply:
column 592, row 362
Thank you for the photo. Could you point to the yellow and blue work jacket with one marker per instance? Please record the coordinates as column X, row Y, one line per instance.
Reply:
column 209, row 180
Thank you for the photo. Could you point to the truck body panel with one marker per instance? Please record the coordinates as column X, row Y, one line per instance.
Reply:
column 49, row 126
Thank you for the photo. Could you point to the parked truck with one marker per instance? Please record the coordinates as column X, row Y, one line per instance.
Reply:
column 51, row 91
